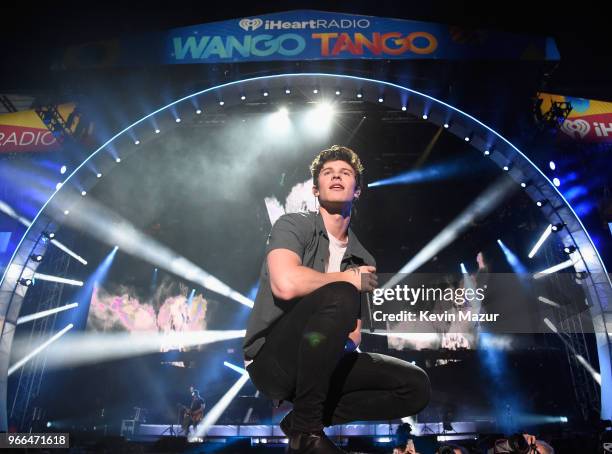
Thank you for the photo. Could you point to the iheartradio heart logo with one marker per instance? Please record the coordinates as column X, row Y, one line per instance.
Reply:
column 250, row 24
column 571, row 127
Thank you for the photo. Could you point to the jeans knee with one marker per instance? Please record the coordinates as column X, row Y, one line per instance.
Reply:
column 416, row 390
column 422, row 389
column 342, row 293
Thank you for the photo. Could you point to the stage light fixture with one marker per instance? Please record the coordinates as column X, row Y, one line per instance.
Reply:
column 98, row 175
column 49, row 235
column 36, row 257
column 63, row 170
column 569, row 249
column 541, row 203
column 117, row 160
column 58, row 186
column 557, row 227
column 242, row 97
column 315, row 90
column 552, row 165
column 287, row 91
column 83, row 193
column 506, row 167
column 221, row 103
column 486, row 152
column 425, row 116
column 468, row 137
column 157, row 131
column 446, row 125
column 177, row 119
column 66, row 212
column 338, row 92
column 359, row 94
column 381, row 99
column 198, row 111
column 403, row 108
column 26, row 282
column 265, row 93
column 556, row 182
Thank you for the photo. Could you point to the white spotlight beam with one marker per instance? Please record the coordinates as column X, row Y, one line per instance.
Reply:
column 72, row 254
column 61, row 280
column 540, row 242
column 596, row 375
column 213, row 415
column 6, row 209
column 11, row 213
column 547, row 301
column 91, row 347
column 551, row 325
column 240, row 370
column 29, row 318
column 38, row 349
column 583, row 362
column 247, row 416
column 480, row 207
column 554, row 269
column 107, row 226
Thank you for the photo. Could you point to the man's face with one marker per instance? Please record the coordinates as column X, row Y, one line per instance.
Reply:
column 337, row 183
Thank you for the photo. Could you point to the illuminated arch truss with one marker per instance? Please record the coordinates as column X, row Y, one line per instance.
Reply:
column 556, row 210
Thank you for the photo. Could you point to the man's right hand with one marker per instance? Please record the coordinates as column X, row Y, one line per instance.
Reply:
column 363, row 278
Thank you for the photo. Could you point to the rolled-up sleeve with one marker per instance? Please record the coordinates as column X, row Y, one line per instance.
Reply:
column 288, row 233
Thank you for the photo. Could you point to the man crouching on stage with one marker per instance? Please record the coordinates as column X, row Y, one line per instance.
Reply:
column 305, row 326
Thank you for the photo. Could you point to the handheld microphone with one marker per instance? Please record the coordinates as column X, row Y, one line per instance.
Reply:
column 370, row 319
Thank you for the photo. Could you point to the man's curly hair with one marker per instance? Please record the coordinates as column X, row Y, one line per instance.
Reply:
column 337, row 153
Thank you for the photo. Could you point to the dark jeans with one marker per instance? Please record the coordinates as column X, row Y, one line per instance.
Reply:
column 303, row 361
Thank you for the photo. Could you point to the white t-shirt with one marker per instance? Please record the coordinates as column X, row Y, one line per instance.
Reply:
column 337, row 249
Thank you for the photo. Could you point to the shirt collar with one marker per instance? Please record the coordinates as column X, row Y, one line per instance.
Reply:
column 353, row 248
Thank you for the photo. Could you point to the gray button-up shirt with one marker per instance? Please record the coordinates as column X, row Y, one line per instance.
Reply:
column 304, row 234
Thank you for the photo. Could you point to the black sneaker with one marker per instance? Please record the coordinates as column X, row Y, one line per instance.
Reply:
column 312, row 443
